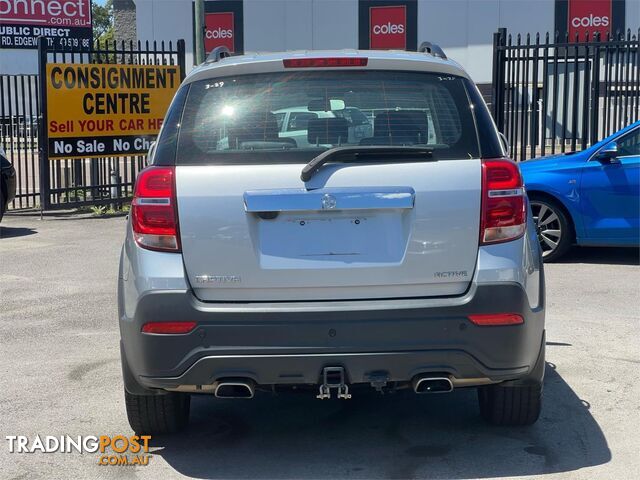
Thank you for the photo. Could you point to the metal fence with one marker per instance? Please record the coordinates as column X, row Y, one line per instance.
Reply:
column 19, row 112
column 552, row 95
column 67, row 183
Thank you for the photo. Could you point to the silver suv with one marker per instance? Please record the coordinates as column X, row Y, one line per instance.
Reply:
column 406, row 259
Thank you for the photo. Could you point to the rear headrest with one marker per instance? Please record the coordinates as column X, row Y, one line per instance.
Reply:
column 253, row 126
column 401, row 127
column 328, row 130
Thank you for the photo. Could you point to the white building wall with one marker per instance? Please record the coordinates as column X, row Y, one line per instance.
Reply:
column 167, row 20
column 335, row 24
column 16, row 62
column 277, row 25
column 632, row 16
column 465, row 28
column 271, row 25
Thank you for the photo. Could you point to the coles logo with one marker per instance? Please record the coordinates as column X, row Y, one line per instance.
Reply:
column 590, row 21
column 218, row 31
column 388, row 27
column 588, row 16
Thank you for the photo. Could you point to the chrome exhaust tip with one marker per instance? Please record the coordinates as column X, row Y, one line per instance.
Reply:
column 428, row 384
column 235, row 388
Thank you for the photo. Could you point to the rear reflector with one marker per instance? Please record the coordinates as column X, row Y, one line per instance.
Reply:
column 496, row 319
column 504, row 216
column 168, row 328
column 154, row 217
column 325, row 62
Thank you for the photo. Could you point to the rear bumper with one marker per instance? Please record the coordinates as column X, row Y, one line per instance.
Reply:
column 290, row 344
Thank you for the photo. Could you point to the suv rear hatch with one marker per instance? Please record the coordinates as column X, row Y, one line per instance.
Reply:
column 359, row 228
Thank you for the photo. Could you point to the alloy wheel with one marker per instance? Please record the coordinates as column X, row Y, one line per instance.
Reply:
column 548, row 227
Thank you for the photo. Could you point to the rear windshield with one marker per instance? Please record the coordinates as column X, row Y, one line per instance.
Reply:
column 291, row 117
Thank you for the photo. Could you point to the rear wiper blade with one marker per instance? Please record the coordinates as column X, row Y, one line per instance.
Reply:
column 359, row 152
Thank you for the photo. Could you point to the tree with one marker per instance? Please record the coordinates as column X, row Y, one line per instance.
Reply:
column 103, row 21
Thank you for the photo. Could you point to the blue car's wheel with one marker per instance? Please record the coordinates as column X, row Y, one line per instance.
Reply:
column 554, row 232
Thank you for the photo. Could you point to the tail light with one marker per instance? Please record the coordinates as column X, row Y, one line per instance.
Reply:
column 154, row 215
column 504, row 216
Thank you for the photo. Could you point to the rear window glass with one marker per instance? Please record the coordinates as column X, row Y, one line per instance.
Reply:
column 291, row 117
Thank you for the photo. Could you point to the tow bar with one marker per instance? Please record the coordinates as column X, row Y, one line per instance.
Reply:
column 333, row 377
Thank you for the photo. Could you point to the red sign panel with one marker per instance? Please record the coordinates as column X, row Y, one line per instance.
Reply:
column 59, row 13
column 588, row 16
column 388, row 27
column 219, row 31
column 64, row 22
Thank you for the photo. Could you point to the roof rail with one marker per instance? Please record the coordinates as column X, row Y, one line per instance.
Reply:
column 432, row 49
column 218, row 54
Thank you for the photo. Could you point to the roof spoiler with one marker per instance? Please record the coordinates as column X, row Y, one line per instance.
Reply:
column 432, row 49
column 218, row 54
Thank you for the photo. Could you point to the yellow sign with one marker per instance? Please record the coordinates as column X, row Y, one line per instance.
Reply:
column 103, row 110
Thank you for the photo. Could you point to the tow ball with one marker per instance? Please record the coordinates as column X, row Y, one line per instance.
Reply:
column 333, row 378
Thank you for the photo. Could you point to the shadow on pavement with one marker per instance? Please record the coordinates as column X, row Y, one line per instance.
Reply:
column 371, row 436
column 12, row 232
column 602, row 255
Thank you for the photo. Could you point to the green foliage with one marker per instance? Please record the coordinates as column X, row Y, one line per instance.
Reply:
column 103, row 210
column 75, row 195
column 98, row 210
column 103, row 29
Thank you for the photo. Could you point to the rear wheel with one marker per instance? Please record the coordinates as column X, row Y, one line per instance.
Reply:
column 510, row 405
column 552, row 225
column 157, row 414
column 2, row 203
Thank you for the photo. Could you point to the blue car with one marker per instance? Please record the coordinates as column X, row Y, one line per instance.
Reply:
column 590, row 197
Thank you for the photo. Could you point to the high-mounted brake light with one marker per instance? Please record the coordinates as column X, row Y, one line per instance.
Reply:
column 168, row 328
column 496, row 319
column 504, row 216
column 325, row 62
column 154, row 215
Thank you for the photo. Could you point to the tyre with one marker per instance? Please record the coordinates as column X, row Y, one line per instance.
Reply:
column 157, row 414
column 554, row 229
column 2, row 204
column 510, row 405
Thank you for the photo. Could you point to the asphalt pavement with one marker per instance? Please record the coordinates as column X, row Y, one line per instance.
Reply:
column 61, row 376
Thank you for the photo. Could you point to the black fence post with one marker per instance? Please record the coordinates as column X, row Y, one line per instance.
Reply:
column 595, row 91
column 535, row 97
column 181, row 58
column 43, row 131
column 497, row 79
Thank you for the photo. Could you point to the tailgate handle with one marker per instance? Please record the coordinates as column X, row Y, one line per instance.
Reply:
column 327, row 199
